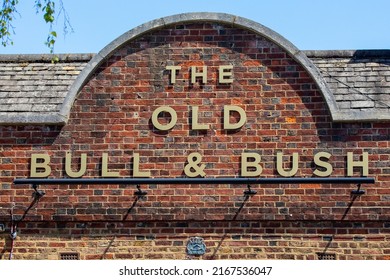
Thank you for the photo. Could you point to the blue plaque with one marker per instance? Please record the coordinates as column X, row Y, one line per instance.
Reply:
column 196, row 246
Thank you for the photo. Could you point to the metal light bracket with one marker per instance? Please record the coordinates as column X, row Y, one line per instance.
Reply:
column 37, row 194
column 140, row 192
column 358, row 191
column 249, row 191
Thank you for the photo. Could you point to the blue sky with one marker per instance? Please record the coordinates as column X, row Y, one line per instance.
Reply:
column 308, row 24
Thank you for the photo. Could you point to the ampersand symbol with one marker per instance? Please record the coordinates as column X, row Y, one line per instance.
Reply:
column 192, row 169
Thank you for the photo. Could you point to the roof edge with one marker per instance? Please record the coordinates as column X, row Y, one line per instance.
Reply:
column 364, row 116
column 31, row 118
column 356, row 54
column 85, row 57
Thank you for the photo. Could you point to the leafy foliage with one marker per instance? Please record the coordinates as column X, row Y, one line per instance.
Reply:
column 7, row 15
column 47, row 8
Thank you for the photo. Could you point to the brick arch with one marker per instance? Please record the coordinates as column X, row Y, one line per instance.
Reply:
column 232, row 20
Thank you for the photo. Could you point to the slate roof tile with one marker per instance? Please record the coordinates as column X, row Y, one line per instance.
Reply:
column 32, row 83
column 361, row 78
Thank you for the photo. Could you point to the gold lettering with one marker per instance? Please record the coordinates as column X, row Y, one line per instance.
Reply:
column 36, row 167
column 246, row 164
column 168, row 110
column 351, row 164
column 326, row 165
column 227, row 109
column 105, row 171
column 173, row 70
column 136, row 171
column 195, row 74
column 193, row 169
column 225, row 77
column 279, row 165
column 68, row 166
column 195, row 123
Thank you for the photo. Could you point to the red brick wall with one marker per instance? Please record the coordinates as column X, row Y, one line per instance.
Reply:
column 285, row 113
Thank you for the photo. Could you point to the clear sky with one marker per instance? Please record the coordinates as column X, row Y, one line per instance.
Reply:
column 308, row 24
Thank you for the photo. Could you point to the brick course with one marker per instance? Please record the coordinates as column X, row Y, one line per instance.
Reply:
column 285, row 113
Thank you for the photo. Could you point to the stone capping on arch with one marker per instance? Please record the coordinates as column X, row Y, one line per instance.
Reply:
column 232, row 20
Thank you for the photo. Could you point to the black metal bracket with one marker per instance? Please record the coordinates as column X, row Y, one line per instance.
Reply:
column 37, row 194
column 140, row 192
column 358, row 191
column 249, row 191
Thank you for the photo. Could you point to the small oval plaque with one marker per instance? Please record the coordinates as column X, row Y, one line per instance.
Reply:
column 196, row 246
